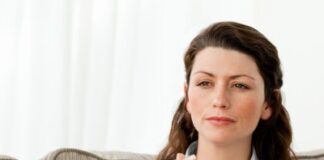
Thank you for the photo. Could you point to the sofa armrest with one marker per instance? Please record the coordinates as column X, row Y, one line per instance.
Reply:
column 311, row 155
column 5, row 157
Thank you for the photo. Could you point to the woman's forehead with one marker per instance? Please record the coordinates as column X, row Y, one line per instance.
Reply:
column 218, row 60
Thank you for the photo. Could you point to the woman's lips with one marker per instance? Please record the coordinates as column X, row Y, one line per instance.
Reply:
column 220, row 121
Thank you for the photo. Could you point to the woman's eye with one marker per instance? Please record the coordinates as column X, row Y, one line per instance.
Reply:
column 204, row 84
column 240, row 86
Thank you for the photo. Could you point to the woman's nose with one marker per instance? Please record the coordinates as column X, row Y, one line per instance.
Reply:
column 221, row 98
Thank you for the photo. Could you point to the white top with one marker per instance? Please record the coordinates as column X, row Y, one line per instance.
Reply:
column 192, row 149
column 254, row 157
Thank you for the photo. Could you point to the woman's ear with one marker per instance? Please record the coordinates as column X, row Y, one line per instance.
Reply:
column 267, row 112
column 277, row 94
column 186, row 100
column 185, row 90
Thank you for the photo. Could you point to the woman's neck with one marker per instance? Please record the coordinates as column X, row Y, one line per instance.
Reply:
column 234, row 151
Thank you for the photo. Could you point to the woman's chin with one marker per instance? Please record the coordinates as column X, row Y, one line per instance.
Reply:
column 220, row 138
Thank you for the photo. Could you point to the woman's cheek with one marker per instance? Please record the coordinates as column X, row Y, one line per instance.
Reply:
column 249, row 110
column 198, row 99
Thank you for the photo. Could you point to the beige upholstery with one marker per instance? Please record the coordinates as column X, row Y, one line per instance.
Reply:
column 311, row 155
column 4, row 157
column 76, row 154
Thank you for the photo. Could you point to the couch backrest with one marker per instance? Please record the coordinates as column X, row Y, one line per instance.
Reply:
column 77, row 154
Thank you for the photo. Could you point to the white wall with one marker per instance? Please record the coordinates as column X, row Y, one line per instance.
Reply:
column 107, row 75
column 296, row 27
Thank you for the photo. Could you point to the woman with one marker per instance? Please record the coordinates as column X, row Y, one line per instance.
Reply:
column 232, row 107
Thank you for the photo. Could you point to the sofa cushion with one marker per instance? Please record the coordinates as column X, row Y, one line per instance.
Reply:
column 77, row 154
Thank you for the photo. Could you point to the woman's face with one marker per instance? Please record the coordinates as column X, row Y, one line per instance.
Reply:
column 225, row 96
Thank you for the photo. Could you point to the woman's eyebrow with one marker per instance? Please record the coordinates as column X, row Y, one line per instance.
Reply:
column 230, row 77
column 204, row 72
column 241, row 75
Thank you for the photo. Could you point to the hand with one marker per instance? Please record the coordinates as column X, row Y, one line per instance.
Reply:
column 181, row 156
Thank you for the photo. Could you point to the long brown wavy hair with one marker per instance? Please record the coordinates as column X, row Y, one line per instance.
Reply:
column 272, row 137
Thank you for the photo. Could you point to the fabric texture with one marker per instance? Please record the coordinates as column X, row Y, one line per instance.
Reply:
column 76, row 154
column 5, row 157
column 311, row 155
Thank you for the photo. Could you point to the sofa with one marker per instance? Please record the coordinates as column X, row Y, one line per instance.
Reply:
column 77, row 154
